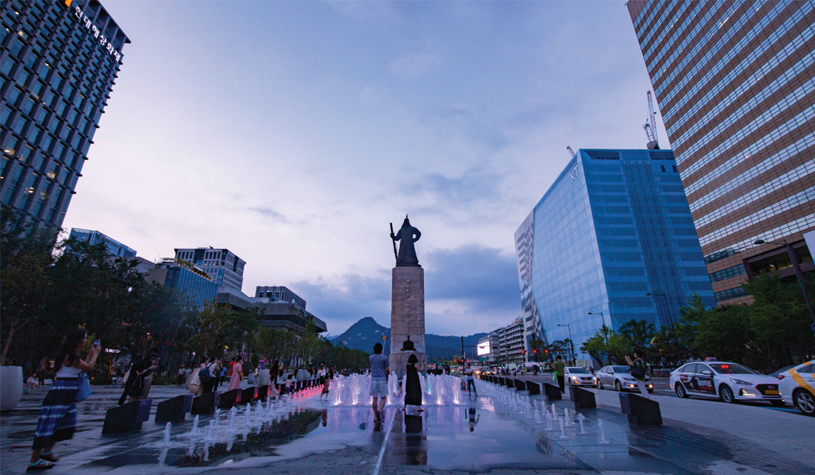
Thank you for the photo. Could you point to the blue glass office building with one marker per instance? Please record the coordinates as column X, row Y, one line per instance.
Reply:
column 95, row 237
column 58, row 63
column 186, row 278
column 613, row 227
column 198, row 287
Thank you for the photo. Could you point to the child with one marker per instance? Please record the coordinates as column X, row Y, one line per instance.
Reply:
column 328, row 377
column 31, row 383
column 287, row 388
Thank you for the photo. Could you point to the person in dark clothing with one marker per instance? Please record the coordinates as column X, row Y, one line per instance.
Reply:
column 138, row 372
column 560, row 373
column 413, row 387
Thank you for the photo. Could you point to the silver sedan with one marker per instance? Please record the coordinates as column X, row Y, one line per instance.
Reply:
column 619, row 378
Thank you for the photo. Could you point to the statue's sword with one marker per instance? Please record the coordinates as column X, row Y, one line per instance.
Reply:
column 395, row 255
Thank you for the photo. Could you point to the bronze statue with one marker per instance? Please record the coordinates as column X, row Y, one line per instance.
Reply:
column 406, row 236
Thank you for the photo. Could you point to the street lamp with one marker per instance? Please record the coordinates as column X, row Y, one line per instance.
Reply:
column 602, row 317
column 667, row 308
column 571, row 342
column 798, row 273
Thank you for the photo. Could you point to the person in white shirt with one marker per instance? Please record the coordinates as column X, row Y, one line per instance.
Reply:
column 468, row 372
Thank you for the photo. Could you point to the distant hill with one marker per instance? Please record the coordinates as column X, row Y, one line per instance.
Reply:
column 366, row 332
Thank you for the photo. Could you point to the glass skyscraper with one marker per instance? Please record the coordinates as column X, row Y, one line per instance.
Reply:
column 186, row 278
column 735, row 81
column 58, row 62
column 613, row 227
column 95, row 237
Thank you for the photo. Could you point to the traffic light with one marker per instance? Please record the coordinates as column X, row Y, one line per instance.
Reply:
column 535, row 352
column 523, row 352
column 546, row 351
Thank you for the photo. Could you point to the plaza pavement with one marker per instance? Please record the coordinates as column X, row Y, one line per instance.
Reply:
column 698, row 437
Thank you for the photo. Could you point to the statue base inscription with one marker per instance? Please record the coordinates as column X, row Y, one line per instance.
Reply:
column 407, row 317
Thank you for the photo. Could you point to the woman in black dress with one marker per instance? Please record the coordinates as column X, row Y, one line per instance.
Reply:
column 413, row 388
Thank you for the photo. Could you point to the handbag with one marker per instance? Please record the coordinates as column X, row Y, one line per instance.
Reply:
column 195, row 382
column 137, row 387
column 84, row 387
column 638, row 372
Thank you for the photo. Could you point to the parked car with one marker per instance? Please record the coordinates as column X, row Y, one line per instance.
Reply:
column 797, row 386
column 775, row 373
column 577, row 376
column 725, row 380
column 619, row 378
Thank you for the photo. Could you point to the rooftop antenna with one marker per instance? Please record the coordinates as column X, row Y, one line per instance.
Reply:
column 570, row 150
column 651, row 126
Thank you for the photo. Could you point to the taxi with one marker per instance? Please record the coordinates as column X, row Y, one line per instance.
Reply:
column 727, row 381
column 797, row 387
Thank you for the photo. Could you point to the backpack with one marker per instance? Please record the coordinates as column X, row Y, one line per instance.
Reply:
column 638, row 371
column 204, row 375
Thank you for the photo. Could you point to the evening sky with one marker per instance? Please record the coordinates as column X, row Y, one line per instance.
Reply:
column 292, row 133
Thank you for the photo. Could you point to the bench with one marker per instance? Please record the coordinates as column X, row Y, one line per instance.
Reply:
column 174, row 409
column 127, row 417
column 640, row 411
column 583, row 399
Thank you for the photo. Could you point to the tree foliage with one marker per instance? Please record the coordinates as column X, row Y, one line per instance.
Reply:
column 52, row 285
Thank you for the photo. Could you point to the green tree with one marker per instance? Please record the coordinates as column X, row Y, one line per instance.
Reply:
column 26, row 257
column 606, row 345
column 780, row 320
column 219, row 328
column 637, row 334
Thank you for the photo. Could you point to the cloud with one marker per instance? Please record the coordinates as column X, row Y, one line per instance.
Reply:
column 269, row 213
column 413, row 65
column 472, row 186
column 341, row 303
column 484, row 278
column 469, row 288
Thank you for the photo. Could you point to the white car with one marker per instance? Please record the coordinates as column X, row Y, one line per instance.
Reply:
column 797, row 387
column 727, row 381
column 619, row 378
column 577, row 376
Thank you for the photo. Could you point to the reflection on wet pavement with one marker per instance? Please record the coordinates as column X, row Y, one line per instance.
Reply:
column 501, row 429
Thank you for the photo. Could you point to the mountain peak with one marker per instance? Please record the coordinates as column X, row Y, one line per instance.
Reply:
column 363, row 334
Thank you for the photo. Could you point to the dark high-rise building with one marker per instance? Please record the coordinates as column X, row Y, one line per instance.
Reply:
column 611, row 241
column 735, row 81
column 58, row 63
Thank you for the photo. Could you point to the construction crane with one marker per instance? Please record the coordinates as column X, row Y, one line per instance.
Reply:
column 571, row 152
column 651, row 126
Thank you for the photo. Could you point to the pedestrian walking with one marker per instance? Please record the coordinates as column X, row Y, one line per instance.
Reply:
column 413, row 387
column 207, row 375
column 182, row 373
column 287, row 388
column 638, row 372
column 237, row 374
column 468, row 372
column 57, row 421
column 379, row 380
column 329, row 375
column 560, row 373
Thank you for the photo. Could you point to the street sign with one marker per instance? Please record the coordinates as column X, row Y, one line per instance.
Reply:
column 384, row 337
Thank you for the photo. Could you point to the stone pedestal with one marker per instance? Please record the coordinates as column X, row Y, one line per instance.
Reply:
column 407, row 316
